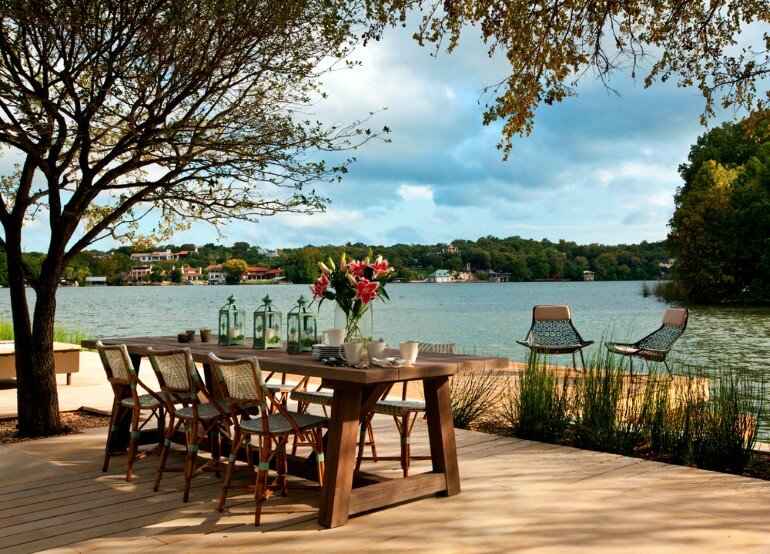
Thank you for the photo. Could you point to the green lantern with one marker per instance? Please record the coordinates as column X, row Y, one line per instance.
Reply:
column 232, row 323
column 267, row 325
column 300, row 328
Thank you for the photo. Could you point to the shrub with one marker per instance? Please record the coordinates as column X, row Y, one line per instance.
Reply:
column 537, row 406
column 473, row 395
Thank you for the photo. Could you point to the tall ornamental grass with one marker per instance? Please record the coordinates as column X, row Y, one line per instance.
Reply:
column 677, row 419
column 473, row 397
column 61, row 333
column 537, row 404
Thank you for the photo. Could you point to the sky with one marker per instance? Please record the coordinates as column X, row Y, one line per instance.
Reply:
column 599, row 167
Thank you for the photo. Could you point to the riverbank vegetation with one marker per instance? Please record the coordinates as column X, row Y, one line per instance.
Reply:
column 720, row 231
column 688, row 420
column 61, row 333
column 523, row 259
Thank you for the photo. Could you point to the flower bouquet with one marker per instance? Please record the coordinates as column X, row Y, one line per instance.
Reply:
column 353, row 285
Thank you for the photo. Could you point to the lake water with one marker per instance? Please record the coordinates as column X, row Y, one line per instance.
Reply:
column 480, row 317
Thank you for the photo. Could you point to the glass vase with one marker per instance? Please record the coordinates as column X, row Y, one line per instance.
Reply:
column 358, row 328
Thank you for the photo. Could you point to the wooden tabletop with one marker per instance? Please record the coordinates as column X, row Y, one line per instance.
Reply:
column 427, row 365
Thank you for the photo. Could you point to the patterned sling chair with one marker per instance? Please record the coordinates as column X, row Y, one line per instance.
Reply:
column 181, row 384
column 126, row 387
column 246, row 393
column 655, row 346
column 552, row 332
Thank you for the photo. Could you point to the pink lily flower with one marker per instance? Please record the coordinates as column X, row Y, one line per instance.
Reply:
column 379, row 266
column 366, row 290
column 357, row 268
column 319, row 287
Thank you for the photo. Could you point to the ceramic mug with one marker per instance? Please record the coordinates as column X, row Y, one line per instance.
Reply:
column 333, row 337
column 409, row 351
column 350, row 352
column 376, row 349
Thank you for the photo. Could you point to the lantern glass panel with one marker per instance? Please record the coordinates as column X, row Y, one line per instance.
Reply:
column 301, row 328
column 267, row 325
column 232, row 323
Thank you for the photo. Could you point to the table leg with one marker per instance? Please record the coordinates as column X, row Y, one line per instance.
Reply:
column 340, row 456
column 443, row 450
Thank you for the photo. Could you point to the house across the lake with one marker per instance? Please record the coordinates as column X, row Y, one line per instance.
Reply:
column 159, row 256
column 96, row 281
column 440, row 276
column 588, row 275
column 497, row 277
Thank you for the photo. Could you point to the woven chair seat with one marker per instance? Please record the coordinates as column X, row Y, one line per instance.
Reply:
column 281, row 387
column 322, row 397
column 205, row 411
column 279, row 425
column 398, row 408
column 146, row 401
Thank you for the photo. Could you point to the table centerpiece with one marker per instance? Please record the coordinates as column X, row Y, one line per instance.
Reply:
column 353, row 285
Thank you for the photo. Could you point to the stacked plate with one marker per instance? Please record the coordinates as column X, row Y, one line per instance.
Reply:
column 323, row 351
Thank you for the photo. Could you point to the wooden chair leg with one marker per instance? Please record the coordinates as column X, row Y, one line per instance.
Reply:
column 192, row 455
column 319, row 454
column 133, row 443
column 216, row 450
column 264, row 464
column 372, row 444
column 170, row 430
column 110, row 430
column 237, row 439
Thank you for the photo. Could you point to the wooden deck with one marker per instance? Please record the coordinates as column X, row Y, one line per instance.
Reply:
column 516, row 495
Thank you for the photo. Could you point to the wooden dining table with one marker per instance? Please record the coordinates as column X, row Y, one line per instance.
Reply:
column 345, row 491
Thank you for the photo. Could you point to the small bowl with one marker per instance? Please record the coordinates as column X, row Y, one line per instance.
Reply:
column 183, row 337
column 191, row 334
column 205, row 334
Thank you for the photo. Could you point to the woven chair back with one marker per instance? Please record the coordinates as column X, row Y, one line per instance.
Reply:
column 117, row 363
column 553, row 333
column 241, row 381
column 438, row 347
column 175, row 370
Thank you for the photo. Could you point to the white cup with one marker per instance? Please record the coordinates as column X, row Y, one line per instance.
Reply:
column 409, row 351
column 351, row 352
column 376, row 349
column 333, row 337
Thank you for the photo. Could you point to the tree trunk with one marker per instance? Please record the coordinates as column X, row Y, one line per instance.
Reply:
column 37, row 398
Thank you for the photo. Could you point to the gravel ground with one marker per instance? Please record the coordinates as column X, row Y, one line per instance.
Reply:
column 75, row 421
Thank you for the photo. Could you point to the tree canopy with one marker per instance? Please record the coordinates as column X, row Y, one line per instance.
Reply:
column 720, row 230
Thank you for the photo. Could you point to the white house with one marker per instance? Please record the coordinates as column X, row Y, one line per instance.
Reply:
column 440, row 276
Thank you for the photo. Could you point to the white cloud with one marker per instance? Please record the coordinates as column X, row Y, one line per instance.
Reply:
column 412, row 193
column 638, row 171
column 324, row 220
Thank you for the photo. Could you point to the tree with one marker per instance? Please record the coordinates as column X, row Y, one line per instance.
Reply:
column 194, row 109
column 175, row 276
column 719, row 230
column 234, row 270
column 552, row 44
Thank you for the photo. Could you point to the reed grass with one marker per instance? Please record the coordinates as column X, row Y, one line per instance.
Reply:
column 473, row 397
column 61, row 333
column 537, row 404
column 671, row 419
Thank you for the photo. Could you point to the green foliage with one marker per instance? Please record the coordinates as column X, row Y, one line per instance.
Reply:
column 720, row 230
column 537, row 405
column 234, row 270
column 473, row 396
column 61, row 333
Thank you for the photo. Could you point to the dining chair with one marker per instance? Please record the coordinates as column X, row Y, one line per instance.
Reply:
column 181, row 384
column 127, row 399
column 552, row 332
column 246, row 392
column 404, row 412
column 655, row 346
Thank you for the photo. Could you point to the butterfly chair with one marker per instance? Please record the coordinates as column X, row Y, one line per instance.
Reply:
column 404, row 412
column 655, row 346
column 125, row 387
column 181, row 384
column 245, row 391
column 552, row 332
